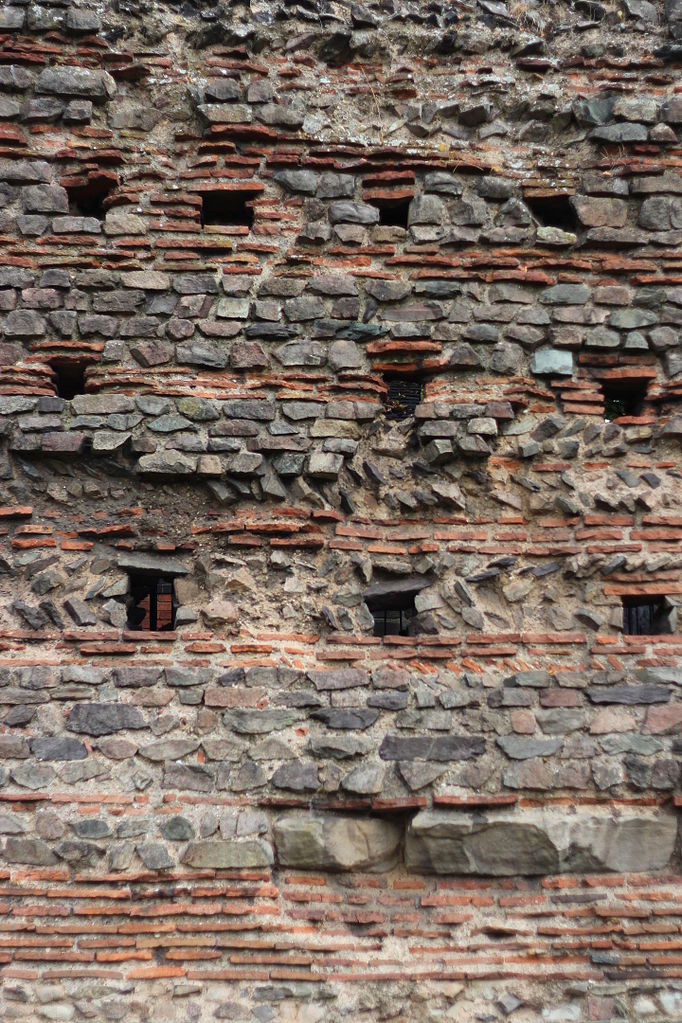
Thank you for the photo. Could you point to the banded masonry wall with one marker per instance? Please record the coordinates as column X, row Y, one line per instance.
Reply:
column 340, row 511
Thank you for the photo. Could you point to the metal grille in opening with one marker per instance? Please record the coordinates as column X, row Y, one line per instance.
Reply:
column 392, row 621
column 404, row 394
column 643, row 617
column 152, row 605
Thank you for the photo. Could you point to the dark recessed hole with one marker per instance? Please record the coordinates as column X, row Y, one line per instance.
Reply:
column 151, row 602
column 392, row 212
column 69, row 377
column 553, row 211
column 227, row 209
column 648, row 616
column 88, row 199
column 405, row 392
column 391, row 605
column 623, row 398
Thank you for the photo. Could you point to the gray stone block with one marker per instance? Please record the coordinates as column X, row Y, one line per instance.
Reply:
column 426, row 747
column 552, row 361
column 529, row 842
column 104, row 718
column 76, row 81
column 343, row 843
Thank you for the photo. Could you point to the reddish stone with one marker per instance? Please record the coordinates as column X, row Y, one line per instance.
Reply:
column 522, row 722
column 613, row 719
column 664, row 719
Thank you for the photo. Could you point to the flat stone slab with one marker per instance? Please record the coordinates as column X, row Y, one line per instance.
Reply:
column 228, row 855
column 629, row 694
column 343, row 678
column 76, row 81
column 428, row 747
column 104, row 718
column 151, row 563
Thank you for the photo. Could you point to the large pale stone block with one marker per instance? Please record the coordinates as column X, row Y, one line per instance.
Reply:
column 538, row 842
column 327, row 842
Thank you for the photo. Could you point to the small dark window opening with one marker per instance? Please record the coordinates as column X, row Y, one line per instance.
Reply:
column 392, row 605
column 392, row 212
column 553, row 211
column 623, row 398
column 151, row 603
column 647, row 616
column 403, row 395
column 88, row 199
column 393, row 621
column 227, row 209
column 69, row 377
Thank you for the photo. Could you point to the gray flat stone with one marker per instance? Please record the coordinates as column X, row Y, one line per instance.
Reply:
column 260, row 722
column 348, row 718
column 520, row 747
column 342, row 678
column 297, row 181
column 28, row 850
column 193, row 777
column 10, row 824
column 426, row 747
column 552, row 361
column 169, row 749
column 298, row 776
column 163, row 565
column 177, row 829
column 227, row 855
column 629, row 694
column 104, row 718
column 154, row 855
column 58, row 748
column 132, row 676
column 76, row 81
column 353, row 213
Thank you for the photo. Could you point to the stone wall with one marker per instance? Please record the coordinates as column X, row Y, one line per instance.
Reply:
column 234, row 238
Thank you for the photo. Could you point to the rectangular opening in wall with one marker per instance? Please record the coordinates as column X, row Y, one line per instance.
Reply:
column 69, row 376
column 393, row 621
column 151, row 602
column 623, row 397
column 391, row 603
column 228, row 208
column 392, row 212
column 553, row 209
column 404, row 392
column 647, row 616
column 87, row 197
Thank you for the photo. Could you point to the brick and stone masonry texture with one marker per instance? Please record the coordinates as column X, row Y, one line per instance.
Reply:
column 233, row 238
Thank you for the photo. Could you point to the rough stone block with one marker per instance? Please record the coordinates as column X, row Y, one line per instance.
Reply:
column 439, row 748
column 552, row 361
column 343, row 843
column 538, row 842
column 104, row 718
column 353, row 213
column 98, row 86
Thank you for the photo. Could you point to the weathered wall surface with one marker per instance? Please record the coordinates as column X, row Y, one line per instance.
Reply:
column 222, row 226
